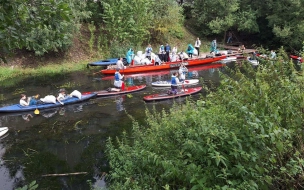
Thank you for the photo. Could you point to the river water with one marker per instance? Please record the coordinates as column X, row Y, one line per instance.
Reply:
column 72, row 138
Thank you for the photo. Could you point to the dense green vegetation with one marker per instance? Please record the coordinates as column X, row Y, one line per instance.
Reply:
column 246, row 135
column 50, row 26
column 272, row 22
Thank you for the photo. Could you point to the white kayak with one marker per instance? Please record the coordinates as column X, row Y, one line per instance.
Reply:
column 228, row 59
column 3, row 131
column 168, row 83
column 254, row 62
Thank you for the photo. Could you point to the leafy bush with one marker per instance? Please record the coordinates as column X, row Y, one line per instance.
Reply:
column 246, row 135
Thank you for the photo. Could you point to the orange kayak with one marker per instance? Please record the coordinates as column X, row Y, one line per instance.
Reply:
column 165, row 72
column 168, row 65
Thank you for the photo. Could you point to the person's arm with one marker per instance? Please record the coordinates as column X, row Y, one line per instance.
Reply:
column 59, row 99
column 120, row 76
column 24, row 103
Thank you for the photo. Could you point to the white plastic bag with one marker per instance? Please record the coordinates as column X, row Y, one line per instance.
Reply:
column 76, row 93
column 49, row 99
column 136, row 60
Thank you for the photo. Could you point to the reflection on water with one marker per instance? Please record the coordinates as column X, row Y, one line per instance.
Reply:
column 72, row 138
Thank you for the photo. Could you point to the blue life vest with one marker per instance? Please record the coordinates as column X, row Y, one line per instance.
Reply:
column 117, row 76
column 149, row 50
column 173, row 81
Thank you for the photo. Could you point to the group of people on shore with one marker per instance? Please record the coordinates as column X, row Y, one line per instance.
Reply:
column 165, row 53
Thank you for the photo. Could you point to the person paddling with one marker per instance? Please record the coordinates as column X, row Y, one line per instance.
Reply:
column 174, row 82
column 118, row 83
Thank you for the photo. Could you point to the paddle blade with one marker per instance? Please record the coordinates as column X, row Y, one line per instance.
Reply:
column 36, row 111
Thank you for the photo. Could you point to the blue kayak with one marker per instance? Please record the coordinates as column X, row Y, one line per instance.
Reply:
column 104, row 62
column 71, row 100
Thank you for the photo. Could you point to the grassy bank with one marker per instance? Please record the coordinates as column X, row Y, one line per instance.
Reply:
column 11, row 76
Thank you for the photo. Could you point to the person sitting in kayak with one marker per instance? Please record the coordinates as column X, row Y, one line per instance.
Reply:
column 28, row 101
column 182, row 72
column 174, row 82
column 118, row 83
column 119, row 64
column 62, row 96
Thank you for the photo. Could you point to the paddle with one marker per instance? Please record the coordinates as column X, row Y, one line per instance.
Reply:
column 36, row 111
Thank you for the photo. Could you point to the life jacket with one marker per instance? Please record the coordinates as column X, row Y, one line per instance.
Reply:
column 149, row 50
column 173, row 81
column 167, row 48
column 117, row 76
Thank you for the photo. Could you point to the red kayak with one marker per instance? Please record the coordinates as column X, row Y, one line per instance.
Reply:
column 194, row 68
column 164, row 96
column 168, row 65
column 296, row 58
column 128, row 89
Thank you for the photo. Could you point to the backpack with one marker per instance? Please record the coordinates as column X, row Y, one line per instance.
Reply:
column 189, row 48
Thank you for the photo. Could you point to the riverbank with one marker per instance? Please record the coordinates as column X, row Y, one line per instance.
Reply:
column 12, row 75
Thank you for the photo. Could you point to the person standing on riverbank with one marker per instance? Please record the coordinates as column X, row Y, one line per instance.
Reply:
column 167, row 50
column 213, row 46
column 129, row 56
column 273, row 54
column 197, row 45
column 229, row 40
column 148, row 51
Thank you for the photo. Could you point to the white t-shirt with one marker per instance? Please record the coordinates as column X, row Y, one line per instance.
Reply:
column 197, row 43
column 23, row 102
column 61, row 96
column 119, row 64
column 174, row 50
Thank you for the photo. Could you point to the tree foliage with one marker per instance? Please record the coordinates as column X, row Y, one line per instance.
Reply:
column 126, row 20
column 39, row 26
column 246, row 135
column 283, row 18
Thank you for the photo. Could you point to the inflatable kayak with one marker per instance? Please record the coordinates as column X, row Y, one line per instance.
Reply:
column 181, row 93
column 168, row 83
column 168, row 65
column 71, row 100
column 127, row 90
column 3, row 131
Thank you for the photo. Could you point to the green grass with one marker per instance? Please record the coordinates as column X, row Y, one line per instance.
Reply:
column 10, row 76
